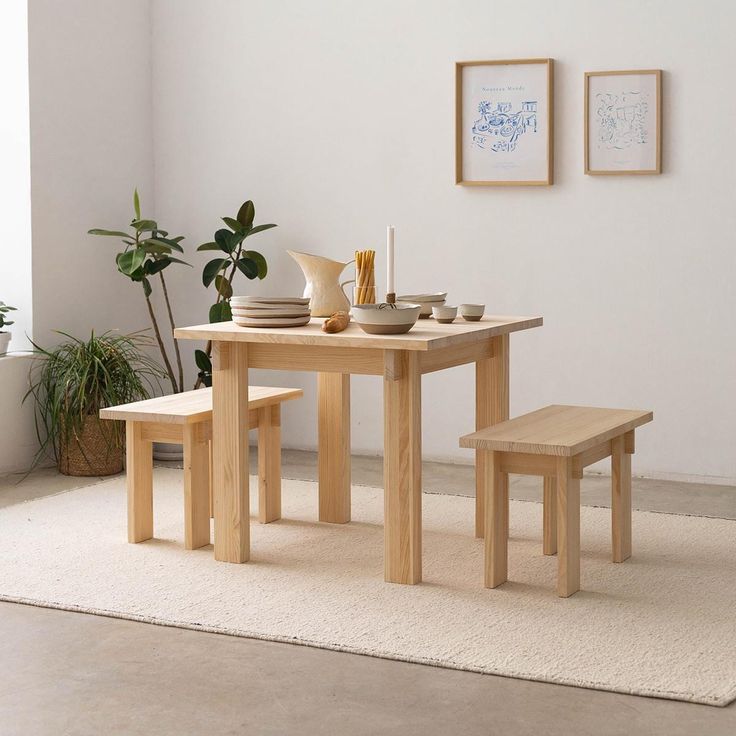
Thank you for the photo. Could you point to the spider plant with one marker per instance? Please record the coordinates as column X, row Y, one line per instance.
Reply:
column 73, row 381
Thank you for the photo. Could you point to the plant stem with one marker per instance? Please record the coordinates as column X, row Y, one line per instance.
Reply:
column 161, row 346
column 220, row 297
column 173, row 327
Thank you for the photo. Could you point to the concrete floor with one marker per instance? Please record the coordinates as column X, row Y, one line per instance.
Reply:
column 69, row 673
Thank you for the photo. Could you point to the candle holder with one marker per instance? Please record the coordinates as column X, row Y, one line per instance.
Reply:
column 391, row 297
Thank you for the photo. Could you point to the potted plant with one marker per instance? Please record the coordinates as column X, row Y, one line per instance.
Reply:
column 4, row 322
column 72, row 382
column 220, row 272
column 148, row 252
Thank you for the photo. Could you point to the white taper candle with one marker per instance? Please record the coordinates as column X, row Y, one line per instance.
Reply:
column 390, row 259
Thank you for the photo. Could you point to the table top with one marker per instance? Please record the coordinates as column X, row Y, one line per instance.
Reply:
column 558, row 430
column 425, row 335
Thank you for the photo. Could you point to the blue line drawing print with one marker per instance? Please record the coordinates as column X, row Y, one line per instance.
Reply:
column 622, row 119
column 499, row 129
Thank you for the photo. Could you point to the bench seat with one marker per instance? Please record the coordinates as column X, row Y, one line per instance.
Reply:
column 186, row 419
column 557, row 443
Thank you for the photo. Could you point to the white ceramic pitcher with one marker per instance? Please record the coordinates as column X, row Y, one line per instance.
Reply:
column 325, row 292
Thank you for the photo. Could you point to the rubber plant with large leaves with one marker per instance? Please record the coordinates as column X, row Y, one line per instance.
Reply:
column 219, row 272
column 148, row 253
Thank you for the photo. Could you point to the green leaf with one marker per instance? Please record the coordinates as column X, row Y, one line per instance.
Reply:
column 248, row 267
column 146, row 286
column 203, row 361
column 144, row 225
column 234, row 225
column 136, row 204
column 168, row 242
column 246, row 214
column 154, row 248
column 258, row 229
column 151, row 268
column 223, row 238
column 212, row 269
column 112, row 233
column 178, row 260
column 220, row 312
column 209, row 246
column 130, row 261
column 223, row 286
column 259, row 260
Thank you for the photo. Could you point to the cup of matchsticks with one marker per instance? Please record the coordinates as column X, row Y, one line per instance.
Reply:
column 364, row 291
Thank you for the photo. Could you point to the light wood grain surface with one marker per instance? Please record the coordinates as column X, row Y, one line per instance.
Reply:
column 558, row 430
column 426, row 335
column 192, row 407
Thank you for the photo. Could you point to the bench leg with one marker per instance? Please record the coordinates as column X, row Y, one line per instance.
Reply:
column 496, row 492
column 620, row 501
column 549, row 545
column 196, row 489
column 139, row 469
column 212, row 504
column 568, row 529
column 269, row 464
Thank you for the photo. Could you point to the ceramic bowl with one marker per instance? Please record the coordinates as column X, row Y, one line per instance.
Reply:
column 472, row 312
column 383, row 319
column 426, row 301
column 444, row 314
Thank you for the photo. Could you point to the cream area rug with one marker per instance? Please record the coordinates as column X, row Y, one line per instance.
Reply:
column 662, row 624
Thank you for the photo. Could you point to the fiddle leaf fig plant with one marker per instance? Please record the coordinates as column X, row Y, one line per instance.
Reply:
column 148, row 252
column 4, row 309
column 220, row 272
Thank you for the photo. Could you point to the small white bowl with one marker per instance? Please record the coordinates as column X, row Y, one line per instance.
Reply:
column 472, row 312
column 444, row 314
column 385, row 319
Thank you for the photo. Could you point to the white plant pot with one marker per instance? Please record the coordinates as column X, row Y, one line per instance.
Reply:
column 4, row 342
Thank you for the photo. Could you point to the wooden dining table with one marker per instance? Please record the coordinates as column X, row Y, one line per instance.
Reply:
column 401, row 360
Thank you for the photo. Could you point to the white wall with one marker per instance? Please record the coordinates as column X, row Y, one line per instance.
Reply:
column 91, row 144
column 15, row 173
column 337, row 119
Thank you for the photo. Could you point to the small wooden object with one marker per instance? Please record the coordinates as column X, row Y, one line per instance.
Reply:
column 186, row 419
column 556, row 442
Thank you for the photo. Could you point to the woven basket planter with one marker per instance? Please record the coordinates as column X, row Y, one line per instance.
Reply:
column 92, row 451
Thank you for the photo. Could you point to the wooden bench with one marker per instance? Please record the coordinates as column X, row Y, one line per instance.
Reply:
column 557, row 442
column 186, row 419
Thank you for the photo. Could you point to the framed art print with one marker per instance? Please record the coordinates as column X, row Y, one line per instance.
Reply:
column 623, row 122
column 503, row 122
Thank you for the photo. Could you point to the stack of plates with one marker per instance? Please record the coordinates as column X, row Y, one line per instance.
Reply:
column 274, row 311
column 427, row 301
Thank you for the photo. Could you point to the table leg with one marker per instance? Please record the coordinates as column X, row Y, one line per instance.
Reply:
column 620, row 501
column 196, row 488
column 230, row 451
column 139, row 472
column 549, row 545
column 402, row 468
column 269, row 463
column 333, row 391
column 568, row 529
column 491, row 407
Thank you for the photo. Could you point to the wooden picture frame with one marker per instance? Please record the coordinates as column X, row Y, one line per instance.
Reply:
column 511, row 143
column 621, row 139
